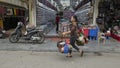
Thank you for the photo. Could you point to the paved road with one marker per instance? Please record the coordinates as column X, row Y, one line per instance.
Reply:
column 30, row 59
column 111, row 46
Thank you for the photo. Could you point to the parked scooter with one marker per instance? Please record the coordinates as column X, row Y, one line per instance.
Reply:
column 35, row 35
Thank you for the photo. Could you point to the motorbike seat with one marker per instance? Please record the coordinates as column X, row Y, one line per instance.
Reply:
column 30, row 29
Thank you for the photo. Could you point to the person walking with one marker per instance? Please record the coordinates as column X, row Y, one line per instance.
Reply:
column 73, row 35
column 57, row 22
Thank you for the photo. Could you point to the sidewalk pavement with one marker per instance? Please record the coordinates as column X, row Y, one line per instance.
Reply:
column 111, row 46
column 49, row 45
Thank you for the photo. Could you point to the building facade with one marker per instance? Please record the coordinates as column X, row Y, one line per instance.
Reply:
column 65, row 3
column 12, row 11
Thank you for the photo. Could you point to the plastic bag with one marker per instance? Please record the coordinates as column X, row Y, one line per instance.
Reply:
column 80, row 40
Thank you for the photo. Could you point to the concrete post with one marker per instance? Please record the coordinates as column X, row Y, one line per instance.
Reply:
column 95, row 11
column 32, row 12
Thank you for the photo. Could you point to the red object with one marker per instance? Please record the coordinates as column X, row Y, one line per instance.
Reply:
column 86, row 32
column 17, row 12
column 80, row 30
column 86, row 41
column 2, row 10
column 67, row 41
column 115, row 37
column 57, row 19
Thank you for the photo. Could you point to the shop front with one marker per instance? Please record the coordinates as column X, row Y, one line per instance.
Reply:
column 109, row 17
column 10, row 15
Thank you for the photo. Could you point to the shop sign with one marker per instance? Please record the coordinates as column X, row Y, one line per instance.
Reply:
column 11, row 11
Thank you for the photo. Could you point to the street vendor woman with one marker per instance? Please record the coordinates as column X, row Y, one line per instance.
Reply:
column 73, row 35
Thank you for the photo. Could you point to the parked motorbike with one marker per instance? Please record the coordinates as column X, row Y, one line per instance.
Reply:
column 2, row 33
column 35, row 35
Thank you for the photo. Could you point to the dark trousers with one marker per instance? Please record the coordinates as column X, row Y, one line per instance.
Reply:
column 57, row 26
column 72, row 42
column 70, row 51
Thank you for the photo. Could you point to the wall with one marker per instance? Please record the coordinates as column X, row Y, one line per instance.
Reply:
column 82, row 13
column 44, row 14
column 14, row 2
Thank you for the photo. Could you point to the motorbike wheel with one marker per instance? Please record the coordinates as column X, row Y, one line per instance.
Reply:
column 1, row 35
column 41, row 37
column 13, row 38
